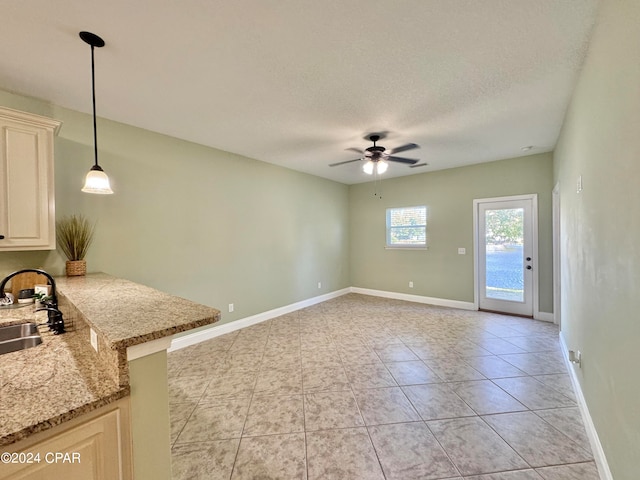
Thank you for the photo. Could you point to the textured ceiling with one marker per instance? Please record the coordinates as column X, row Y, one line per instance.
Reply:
column 296, row 82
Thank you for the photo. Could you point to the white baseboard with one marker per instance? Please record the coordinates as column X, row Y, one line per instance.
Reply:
column 442, row 302
column 594, row 440
column 216, row 330
column 545, row 316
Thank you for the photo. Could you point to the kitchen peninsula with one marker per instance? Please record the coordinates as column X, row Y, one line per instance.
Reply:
column 52, row 387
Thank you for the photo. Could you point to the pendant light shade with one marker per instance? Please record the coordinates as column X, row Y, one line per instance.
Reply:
column 96, row 180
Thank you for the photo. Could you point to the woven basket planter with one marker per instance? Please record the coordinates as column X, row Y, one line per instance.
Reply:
column 76, row 268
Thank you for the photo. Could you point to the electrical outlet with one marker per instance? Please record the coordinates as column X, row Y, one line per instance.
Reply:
column 410, row 284
column 94, row 339
column 319, row 284
column 575, row 357
column 462, row 251
column 231, row 307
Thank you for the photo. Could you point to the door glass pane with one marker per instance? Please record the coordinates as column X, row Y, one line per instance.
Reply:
column 504, row 254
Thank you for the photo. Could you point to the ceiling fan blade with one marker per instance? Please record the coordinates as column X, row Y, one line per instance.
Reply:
column 404, row 148
column 418, row 165
column 342, row 163
column 409, row 161
column 357, row 150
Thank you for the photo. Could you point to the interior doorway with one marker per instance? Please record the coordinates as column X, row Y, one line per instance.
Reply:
column 506, row 254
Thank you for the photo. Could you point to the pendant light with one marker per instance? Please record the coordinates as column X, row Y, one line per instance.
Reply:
column 96, row 180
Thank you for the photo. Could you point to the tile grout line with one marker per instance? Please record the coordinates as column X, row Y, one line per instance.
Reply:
column 423, row 421
column 304, row 412
column 366, row 427
column 255, row 383
column 197, row 403
column 407, row 328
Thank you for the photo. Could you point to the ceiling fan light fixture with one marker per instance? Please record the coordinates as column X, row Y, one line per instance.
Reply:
column 376, row 158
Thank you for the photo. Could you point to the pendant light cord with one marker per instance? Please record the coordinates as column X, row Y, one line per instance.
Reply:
column 93, row 93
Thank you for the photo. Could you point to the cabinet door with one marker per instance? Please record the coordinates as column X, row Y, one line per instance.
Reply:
column 27, row 213
column 89, row 451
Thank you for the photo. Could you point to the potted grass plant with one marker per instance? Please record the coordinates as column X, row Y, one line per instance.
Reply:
column 74, row 235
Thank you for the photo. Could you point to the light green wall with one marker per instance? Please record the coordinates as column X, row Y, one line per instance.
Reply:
column 210, row 226
column 448, row 194
column 219, row 228
column 179, row 231
column 600, row 232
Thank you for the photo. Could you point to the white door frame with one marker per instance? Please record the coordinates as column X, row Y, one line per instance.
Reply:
column 534, row 247
column 557, row 306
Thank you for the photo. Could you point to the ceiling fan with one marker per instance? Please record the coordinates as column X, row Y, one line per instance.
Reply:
column 377, row 157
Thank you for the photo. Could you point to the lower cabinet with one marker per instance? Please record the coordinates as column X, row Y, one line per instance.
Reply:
column 95, row 446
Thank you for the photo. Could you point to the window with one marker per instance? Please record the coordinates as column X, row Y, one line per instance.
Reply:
column 407, row 227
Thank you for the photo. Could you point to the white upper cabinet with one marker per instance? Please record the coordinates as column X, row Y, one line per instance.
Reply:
column 27, row 201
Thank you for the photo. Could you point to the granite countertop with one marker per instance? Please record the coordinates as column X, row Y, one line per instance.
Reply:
column 65, row 377
column 127, row 313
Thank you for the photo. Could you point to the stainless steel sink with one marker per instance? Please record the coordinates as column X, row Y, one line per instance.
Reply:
column 18, row 331
column 19, row 344
column 19, row 337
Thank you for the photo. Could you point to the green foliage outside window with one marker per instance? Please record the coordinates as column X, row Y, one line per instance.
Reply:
column 505, row 226
column 407, row 226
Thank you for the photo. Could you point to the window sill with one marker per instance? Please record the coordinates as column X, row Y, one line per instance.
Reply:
column 387, row 247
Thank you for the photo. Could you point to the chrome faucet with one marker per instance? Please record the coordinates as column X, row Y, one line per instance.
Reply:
column 56, row 322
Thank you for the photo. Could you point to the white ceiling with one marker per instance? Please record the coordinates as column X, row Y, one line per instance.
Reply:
column 296, row 82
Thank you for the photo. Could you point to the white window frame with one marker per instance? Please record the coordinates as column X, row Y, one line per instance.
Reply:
column 399, row 246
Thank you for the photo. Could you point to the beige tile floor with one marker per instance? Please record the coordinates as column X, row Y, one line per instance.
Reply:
column 361, row 387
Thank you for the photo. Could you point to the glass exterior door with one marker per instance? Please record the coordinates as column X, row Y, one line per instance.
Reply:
column 505, row 232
